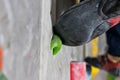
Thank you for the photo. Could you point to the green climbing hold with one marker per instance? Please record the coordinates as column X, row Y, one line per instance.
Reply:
column 2, row 76
column 55, row 44
column 110, row 77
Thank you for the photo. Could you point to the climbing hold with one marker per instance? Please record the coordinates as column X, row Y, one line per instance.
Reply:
column 94, row 72
column 110, row 77
column 95, row 49
column 77, row 70
column 55, row 44
column 2, row 76
column 1, row 59
column 80, row 71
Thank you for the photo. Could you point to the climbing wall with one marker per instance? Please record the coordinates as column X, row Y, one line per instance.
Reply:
column 25, row 34
column 20, row 38
column 57, row 67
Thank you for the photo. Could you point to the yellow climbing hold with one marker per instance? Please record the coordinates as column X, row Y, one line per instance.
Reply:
column 95, row 47
column 94, row 54
column 94, row 72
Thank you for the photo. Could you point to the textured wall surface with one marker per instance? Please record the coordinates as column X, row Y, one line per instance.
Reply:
column 25, row 34
column 55, row 67
column 20, row 38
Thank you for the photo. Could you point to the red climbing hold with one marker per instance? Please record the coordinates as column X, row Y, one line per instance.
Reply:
column 1, row 59
column 78, row 71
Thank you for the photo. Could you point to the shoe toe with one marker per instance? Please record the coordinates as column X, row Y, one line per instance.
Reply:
column 93, row 62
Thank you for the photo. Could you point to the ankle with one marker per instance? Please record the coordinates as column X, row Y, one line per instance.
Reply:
column 114, row 59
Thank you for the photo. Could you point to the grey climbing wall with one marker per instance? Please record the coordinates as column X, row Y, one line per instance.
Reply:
column 25, row 34
column 56, row 67
column 20, row 37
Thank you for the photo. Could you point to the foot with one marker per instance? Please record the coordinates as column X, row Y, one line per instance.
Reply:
column 102, row 62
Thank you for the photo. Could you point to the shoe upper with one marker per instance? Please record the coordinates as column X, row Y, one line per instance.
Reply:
column 83, row 22
column 80, row 24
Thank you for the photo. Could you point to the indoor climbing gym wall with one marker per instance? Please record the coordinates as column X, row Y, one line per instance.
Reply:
column 20, row 39
column 25, row 36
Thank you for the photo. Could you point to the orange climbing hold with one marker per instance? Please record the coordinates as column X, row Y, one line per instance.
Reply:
column 1, row 59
